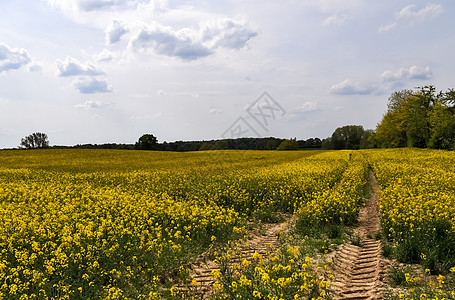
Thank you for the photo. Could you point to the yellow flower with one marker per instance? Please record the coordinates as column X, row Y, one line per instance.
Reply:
column 257, row 294
column 194, row 282
column 246, row 263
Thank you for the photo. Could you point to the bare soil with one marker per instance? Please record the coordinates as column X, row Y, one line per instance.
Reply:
column 262, row 240
column 359, row 269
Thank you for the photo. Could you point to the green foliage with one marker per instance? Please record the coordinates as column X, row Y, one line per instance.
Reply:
column 398, row 276
column 347, row 137
column 387, row 250
column 419, row 118
column 326, row 143
column 35, row 141
column 442, row 125
column 291, row 144
column 147, row 142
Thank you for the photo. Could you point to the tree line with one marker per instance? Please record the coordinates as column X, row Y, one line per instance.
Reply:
column 149, row 142
column 422, row 118
column 415, row 118
column 39, row 140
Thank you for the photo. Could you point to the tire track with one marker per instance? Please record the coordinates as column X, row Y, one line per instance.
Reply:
column 262, row 243
column 358, row 270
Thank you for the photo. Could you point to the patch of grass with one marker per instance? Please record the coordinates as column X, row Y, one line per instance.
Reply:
column 387, row 250
column 356, row 240
column 397, row 276
column 378, row 236
column 334, row 231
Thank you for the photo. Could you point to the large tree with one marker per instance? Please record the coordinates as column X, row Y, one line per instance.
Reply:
column 291, row 144
column 147, row 142
column 347, row 137
column 421, row 118
column 35, row 140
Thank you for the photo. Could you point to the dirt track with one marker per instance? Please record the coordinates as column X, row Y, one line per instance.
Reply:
column 261, row 241
column 358, row 270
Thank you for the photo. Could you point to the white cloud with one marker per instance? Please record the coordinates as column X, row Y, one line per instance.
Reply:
column 351, row 87
column 160, row 93
column 215, row 111
column 105, row 56
column 335, row 20
column 192, row 43
column 165, row 41
column 91, row 105
column 410, row 14
column 12, row 58
column 386, row 28
column 225, row 32
column 115, row 31
column 89, row 85
column 72, row 67
column 94, row 5
column 413, row 73
column 310, row 106
column 419, row 73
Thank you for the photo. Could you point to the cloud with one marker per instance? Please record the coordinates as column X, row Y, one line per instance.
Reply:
column 350, row 87
column 215, row 111
column 412, row 73
column 91, row 105
column 167, row 42
column 105, row 56
column 72, row 67
column 411, row 15
column 192, row 43
column 115, row 31
column 90, row 85
column 310, row 106
column 408, row 13
column 94, row 5
column 225, row 32
column 335, row 20
column 386, row 28
column 12, row 58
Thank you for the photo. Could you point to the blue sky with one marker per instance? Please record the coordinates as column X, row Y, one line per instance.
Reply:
column 108, row 71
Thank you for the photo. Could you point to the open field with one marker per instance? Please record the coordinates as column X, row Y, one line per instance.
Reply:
column 106, row 224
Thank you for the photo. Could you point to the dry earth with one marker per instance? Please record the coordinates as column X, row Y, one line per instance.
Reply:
column 262, row 240
column 359, row 270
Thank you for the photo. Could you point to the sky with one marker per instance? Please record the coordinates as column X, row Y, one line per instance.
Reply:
column 108, row 71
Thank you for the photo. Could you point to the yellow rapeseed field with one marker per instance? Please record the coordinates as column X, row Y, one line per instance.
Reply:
column 81, row 224
column 109, row 224
column 418, row 203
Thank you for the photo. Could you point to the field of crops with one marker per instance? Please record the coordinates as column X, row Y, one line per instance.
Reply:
column 106, row 224
column 418, row 203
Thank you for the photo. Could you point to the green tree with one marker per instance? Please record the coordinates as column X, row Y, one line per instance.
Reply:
column 326, row 143
column 35, row 141
column 147, row 142
column 291, row 144
column 272, row 144
column 368, row 140
column 406, row 122
column 347, row 137
column 442, row 127
column 389, row 133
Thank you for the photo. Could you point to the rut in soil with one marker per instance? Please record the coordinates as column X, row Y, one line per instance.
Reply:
column 359, row 270
column 262, row 240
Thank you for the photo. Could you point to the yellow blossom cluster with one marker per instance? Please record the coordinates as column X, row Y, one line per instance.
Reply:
column 286, row 274
column 417, row 191
column 94, row 224
column 339, row 203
